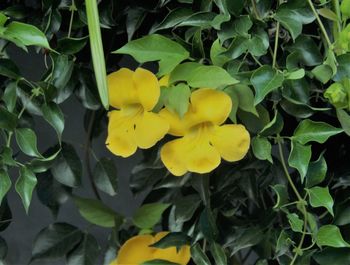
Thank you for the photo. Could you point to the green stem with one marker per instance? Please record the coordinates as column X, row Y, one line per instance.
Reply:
column 336, row 25
column 300, row 199
column 319, row 21
column 274, row 59
column 255, row 10
column 72, row 9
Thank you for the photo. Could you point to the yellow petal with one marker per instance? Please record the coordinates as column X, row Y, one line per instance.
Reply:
column 210, row 105
column 178, row 127
column 171, row 254
column 149, row 129
column 232, row 141
column 121, row 135
column 135, row 251
column 121, row 88
column 147, row 86
column 172, row 155
column 114, row 262
column 164, row 81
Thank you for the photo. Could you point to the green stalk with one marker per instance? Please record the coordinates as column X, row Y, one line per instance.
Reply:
column 98, row 58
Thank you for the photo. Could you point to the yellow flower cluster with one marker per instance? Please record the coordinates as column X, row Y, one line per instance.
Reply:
column 203, row 141
column 137, row 250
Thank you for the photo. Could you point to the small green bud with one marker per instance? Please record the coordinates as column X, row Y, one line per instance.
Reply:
column 337, row 96
column 345, row 8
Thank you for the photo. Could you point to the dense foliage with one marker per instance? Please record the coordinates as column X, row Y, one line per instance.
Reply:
column 284, row 64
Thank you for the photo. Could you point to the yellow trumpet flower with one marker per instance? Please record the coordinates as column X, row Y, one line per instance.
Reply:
column 134, row 94
column 137, row 250
column 204, row 139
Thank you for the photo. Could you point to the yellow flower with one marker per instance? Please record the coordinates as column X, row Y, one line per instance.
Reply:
column 204, row 141
column 133, row 125
column 137, row 250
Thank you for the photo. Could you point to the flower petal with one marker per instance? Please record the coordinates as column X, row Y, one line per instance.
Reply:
column 148, row 88
column 178, row 127
column 232, row 141
column 172, row 155
column 210, row 105
column 150, row 128
column 171, row 254
column 202, row 157
column 121, row 135
column 121, row 88
column 136, row 250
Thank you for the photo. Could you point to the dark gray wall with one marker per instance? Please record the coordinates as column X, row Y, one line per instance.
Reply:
column 21, row 233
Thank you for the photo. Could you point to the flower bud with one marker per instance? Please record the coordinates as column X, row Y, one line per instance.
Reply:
column 337, row 95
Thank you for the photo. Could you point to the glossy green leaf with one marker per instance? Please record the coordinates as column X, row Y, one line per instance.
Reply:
column 27, row 141
column 86, row 253
column 344, row 119
column 177, row 98
column 55, row 241
column 98, row 58
column 5, row 184
column 156, row 48
column 323, row 73
column 67, row 168
column 265, row 80
column 262, row 148
column 328, row 13
column 106, row 176
column 148, row 215
column 218, row 254
column 176, row 239
column 25, row 185
column 294, row 75
column 316, row 172
column 334, row 256
column 295, row 222
column 96, row 212
column 313, row 131
column 54, row 116
column 26, row 35
column 198, row 256
column 281, row 192
column 186, row 207
column 244, row 97
column 320, row 197
column 71, row 45
column 329, row 235
column 10, row 96
column 299, row 158
column 8, row 120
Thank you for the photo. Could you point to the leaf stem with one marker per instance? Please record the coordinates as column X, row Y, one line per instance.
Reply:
column 255, row 10
column 319, row 21
column 336, row 25
column 274, row 59
column 72, row 9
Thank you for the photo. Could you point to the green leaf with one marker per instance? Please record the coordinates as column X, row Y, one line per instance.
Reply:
column 27, row 142
column 244, row 96
column 98, row 58
column 156, row 48
column 176, row 239
column 334, row 256
column 316, row 172
column 5, row 184
column 295, row 222
column 55, row 241
column 295, row 75
column 105, row 176
column 323, row 73
column 9, row 69
column 10, row 96
column 265, row 79
column 308, row 131
column 327, row 13
column 62, row 70
column 25, row 185
column 329, row 235
column 54, row 116
column 148, row 215
column 262, row 148
column 207, row 225
column 25, row 34
column 320, row 197
column 8, row 121
column 198, row 75
column 218, row 254
column 96, row 212
column 71, row 46
column 3, row 19
column 186, row 207
column 216, row 54
column 306, row 51
column 299, row 158
column 274, row 127
column 174, row 17
column 282, row 195
column 67, row 168
column 199, row 256
column 177, row 98
column 342, row 215
column 344, row 119
column 86, row 253
column 283, row 244
column 293, row 17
